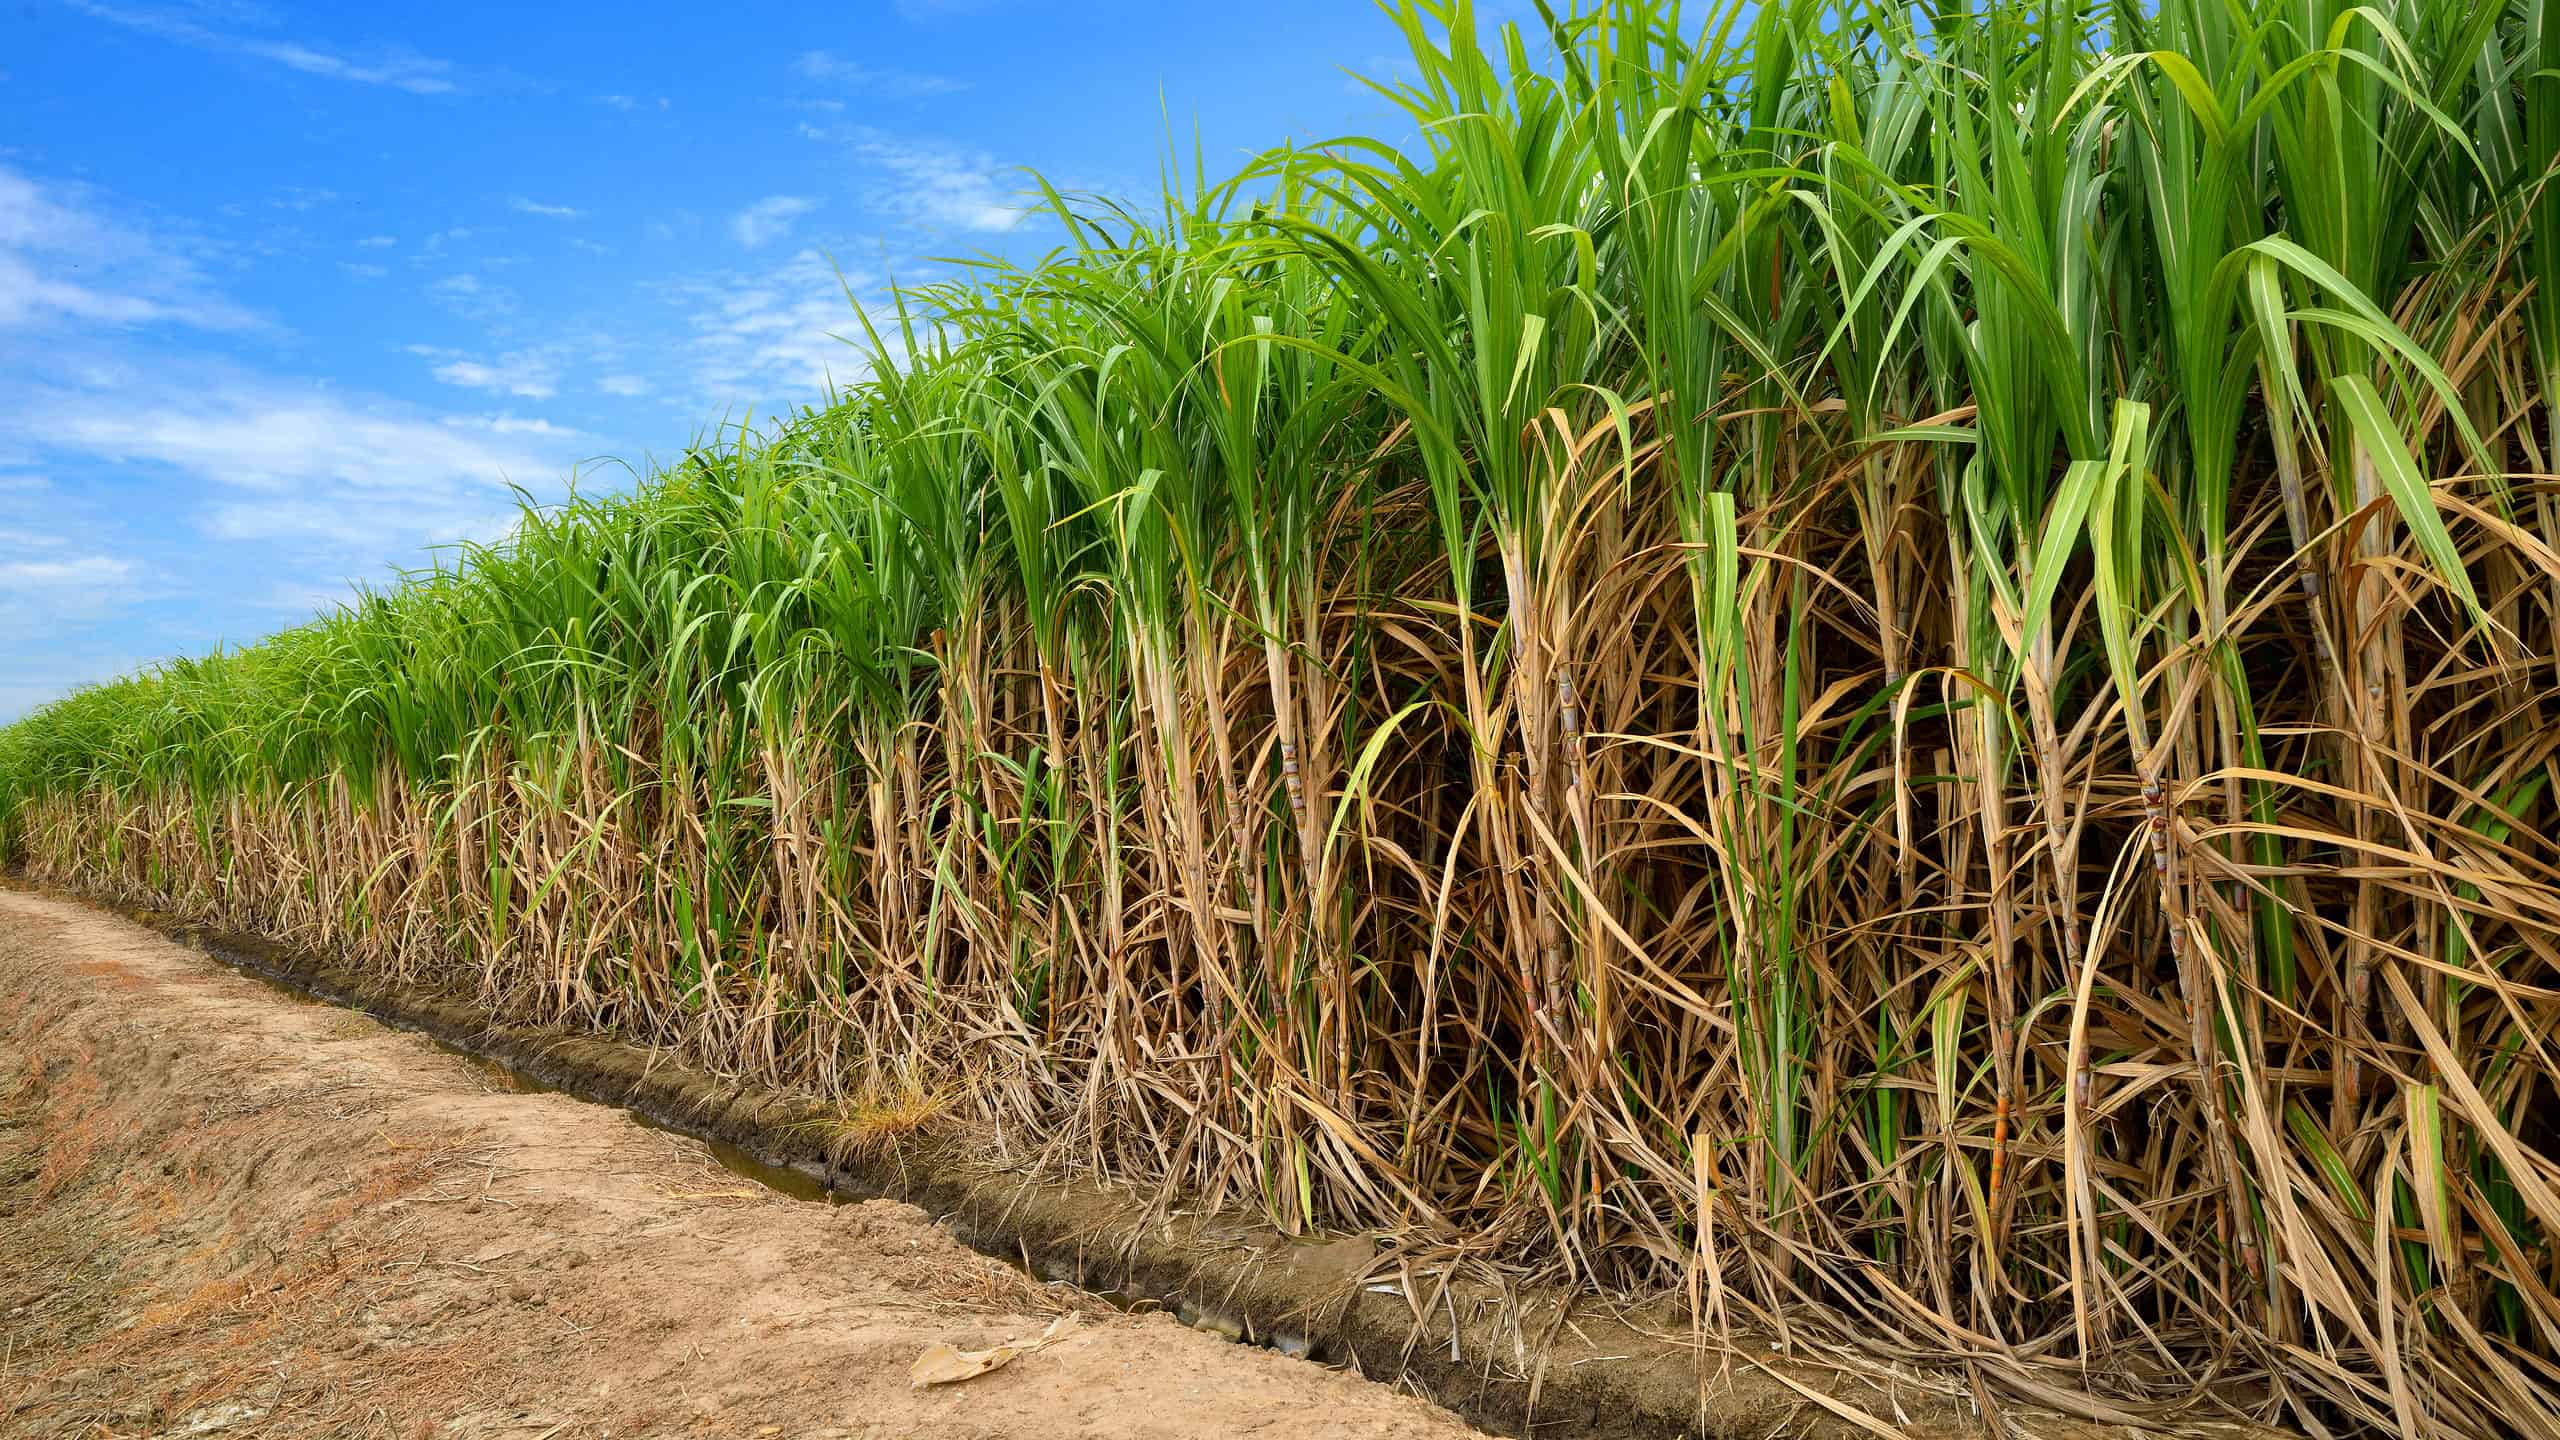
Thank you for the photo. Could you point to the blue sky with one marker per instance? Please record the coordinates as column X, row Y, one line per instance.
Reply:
column 290, row 294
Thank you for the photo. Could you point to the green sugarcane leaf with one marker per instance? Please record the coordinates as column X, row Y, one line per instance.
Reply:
column 2409, row 491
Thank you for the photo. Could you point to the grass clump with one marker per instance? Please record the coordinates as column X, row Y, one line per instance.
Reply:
column 1895, row 669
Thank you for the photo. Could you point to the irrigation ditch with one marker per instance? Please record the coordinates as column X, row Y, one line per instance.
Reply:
column 1509, row 1360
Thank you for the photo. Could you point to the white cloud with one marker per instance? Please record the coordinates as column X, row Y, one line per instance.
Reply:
column 489, row 377
column 474, row 299
column 274, row 440
column 415, row 74
column 536, row 207
column 188, row 483
column 826, row 67
column 399, row 70
column 533, row 374
column 302, row 198
column 49, row 231
column 77, row 574
column 391, row 530
column 941, row 186
column 336, row 480
column 507, row 422
column 377, row 242
column 624, row 385
column 25, row 295
column 777, row 338
column 362, row 272
column 618, row 102
column 769, row 219
column 43, row 599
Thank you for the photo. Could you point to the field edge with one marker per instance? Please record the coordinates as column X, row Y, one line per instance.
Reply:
column 1505, row 1360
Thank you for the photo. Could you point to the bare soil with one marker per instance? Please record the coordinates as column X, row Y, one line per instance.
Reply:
column 225, row 1213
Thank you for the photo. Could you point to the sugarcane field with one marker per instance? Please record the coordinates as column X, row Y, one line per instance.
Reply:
column 1624, row 719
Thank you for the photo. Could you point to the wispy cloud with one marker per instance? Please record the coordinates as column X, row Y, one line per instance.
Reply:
column 339, row 478
column 536, row 207
column 253, row 480
column 475, row 299
column 508, row 422
column 624, row 385
column 302, row 198
column 828, row 68
column 150, row 484
column 377, row 242
column 941, row 186
column 533, row 374
column 769, row 219
column 58, row 574
column 48, row 231
column 397, row 69
column 52, row 577
column 776, row 338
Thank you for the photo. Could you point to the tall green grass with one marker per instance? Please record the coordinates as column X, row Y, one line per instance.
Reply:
column 1894, row 669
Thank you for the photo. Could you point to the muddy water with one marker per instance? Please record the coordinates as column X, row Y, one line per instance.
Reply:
column 786, row 1180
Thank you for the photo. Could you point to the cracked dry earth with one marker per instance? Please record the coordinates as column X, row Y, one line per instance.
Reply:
column 226, row 1213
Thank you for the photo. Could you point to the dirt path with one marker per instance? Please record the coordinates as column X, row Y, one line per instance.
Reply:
column 226, row 1213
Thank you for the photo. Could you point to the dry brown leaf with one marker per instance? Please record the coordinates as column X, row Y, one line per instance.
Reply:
column 949, row 1365
column 943, row 1365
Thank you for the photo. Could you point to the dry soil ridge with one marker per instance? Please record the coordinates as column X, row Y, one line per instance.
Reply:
column 225, row 1214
